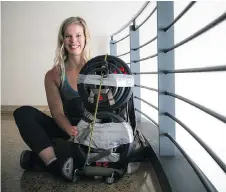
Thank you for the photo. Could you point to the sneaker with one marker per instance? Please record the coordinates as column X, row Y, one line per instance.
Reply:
column 59, row 168
column 68, row 169
column 30, row 160
column 26, row 160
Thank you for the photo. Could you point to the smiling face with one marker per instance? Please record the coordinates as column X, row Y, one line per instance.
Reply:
column 74, row 39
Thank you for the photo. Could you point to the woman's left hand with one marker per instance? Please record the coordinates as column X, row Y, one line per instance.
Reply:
column 74, row 131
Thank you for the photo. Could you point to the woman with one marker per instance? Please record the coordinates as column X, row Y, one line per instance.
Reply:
column 39, row 130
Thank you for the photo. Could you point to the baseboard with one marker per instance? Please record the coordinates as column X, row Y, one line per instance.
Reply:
column 9, row 109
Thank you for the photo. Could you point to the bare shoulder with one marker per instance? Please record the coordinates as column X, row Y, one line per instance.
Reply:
column 53, row 75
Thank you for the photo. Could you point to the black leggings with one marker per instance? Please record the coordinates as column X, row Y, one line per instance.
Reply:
column 40, row 131
column 37, row 129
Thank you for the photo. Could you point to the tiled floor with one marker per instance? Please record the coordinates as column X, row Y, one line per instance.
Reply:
column 13, row 178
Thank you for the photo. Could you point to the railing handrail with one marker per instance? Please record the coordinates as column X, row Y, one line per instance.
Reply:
column 153, row 11
column 197, row 105
column 121, row 39
column 179, row 16
column 219, row 68
column 154, row 38
column 149, row 118
column 123, row 54
column 145, row 87
column 143, row 59
column 197, row 170
column 211, row 25
column 148, row 103
column 200, row 141
column 133, row 18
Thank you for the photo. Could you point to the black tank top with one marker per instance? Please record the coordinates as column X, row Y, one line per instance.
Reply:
column 72, row 103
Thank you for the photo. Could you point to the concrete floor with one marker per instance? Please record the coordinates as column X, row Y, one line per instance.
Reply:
column 13, row 178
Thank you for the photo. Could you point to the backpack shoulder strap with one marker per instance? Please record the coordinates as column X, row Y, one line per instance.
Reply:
column 131, row 113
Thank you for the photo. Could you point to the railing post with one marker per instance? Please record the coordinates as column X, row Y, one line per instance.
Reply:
column 135, row 67
column 166, row 82
column 113, row 47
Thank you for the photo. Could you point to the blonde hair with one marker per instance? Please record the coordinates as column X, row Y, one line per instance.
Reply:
column 61, row 54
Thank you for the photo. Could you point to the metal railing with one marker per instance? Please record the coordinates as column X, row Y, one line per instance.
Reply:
column 131, row 20
column 199, row 173
column 189, row 70
column 153, row 11
column 205, row 109
column 198, row 33
column 179, row 16
column 166, row 32
column 153, row 121
column 153, row 39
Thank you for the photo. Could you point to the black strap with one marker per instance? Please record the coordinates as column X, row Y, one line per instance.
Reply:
column 100, row 155
column 131, row 112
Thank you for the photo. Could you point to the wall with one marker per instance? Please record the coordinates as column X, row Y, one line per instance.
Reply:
column 29, row 36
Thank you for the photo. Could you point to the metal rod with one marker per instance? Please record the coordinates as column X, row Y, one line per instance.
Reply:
column 147, row 117
column 189, row 70
column 146, row 102
column 201, row 142
column 199, row 173
column 147, row 18
column 198, row 33
column 134, row 18
column 195, row 70
column 205, row 109
column 144, row 73
column 180, row 15
column 123, row 54
column 121, row 39
column 149, row 57
column 145, row 43
column 149, row 88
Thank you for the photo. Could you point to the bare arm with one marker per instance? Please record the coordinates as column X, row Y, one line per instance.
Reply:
column 55, row 103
